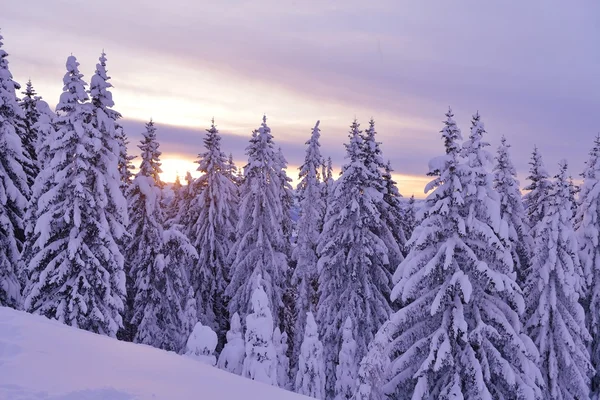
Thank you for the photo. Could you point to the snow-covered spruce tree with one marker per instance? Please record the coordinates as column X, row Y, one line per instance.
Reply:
column 280, row 341
column 409, row 217
column 14, row 188
column 390, row 230
column 190, row 312
column 156, row 259
column 76, row 273
column 458, row 334
column 232, row 356
column 588, row 238
column 573, row 195
column 535, row 199
column 260, row 248
column 310, row 378
column 30, row 135
column 172, row 209
column 125, row 163
column 353, row 279
column 232, row 171
column 398, row 224
column 213, row 233
column 201, row 344
column 46, row 136
column 309, row 226
column 260, row 363
column 347, row 368
column 512, row 211
column 555, row 319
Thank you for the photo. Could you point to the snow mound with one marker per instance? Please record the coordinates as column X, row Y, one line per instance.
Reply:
column 43, row 359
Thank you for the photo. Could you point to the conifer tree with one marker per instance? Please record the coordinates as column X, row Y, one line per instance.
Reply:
column 512, row 211
column 260, row 248
column 232, row 356
column 458, row 334
column 397, row 223
column 30, row 135
column 125, row 163
column 280, row 342
column 555, row 319
column 232, row 171
column 260, row 363
column 588, row 239
column 409, row 216
column 157, row 259
column 213, row 233
column 310, row 378
column 14, row 189
column 346, row 370
column 309, row 225
column 390, row 229
column 190, row 312
column 76, row 274
column 535, row 199
column 353, row 279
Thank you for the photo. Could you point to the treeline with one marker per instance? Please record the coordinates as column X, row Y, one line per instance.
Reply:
column 476, row 292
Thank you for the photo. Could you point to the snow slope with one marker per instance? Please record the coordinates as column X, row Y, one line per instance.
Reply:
column 43, row 359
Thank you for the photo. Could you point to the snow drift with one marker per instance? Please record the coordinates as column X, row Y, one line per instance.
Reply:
column 43, row 359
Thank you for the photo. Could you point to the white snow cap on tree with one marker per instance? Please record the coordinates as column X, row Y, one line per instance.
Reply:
column 555, row 318
column 347, row 368
column 261, row 358
column 201, row 344
column 310, row 378
column 232, row 356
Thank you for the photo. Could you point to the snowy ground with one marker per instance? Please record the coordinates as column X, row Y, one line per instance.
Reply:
column 43, row 359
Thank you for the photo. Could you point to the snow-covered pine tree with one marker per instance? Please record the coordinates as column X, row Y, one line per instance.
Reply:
column 46, row 136
column 573, row 195
column 156, row 259
column 260, row 248
column 232, row 356
column 588, row 239
column 458, row 334
column 14, row 188
column 173, row 208
column 30, row 135
column 512, row 211
column 213, row 233
column 397, row 223
column 390, row 230
column 555, row 319
column 104, row 121
column 201, row 344
column 190, row 312
column 310, row 378
column 312, row 210
column 232, row 171
column 409, row 217
column 280, row 342
column 260, row 363
column 76, row 273
column 354, row 279
column 125, row 162
column 535, row 199
column 347, row 368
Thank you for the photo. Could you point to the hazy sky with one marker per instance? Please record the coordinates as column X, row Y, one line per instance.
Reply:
column 531, row 68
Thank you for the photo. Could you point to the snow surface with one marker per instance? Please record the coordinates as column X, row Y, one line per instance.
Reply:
column 43, row 359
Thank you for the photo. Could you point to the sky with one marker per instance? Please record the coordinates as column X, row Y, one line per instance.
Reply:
column 531, row 69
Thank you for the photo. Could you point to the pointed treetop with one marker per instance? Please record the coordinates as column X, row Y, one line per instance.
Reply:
column 74, row 89
column 101, row 96
column 451, row 134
